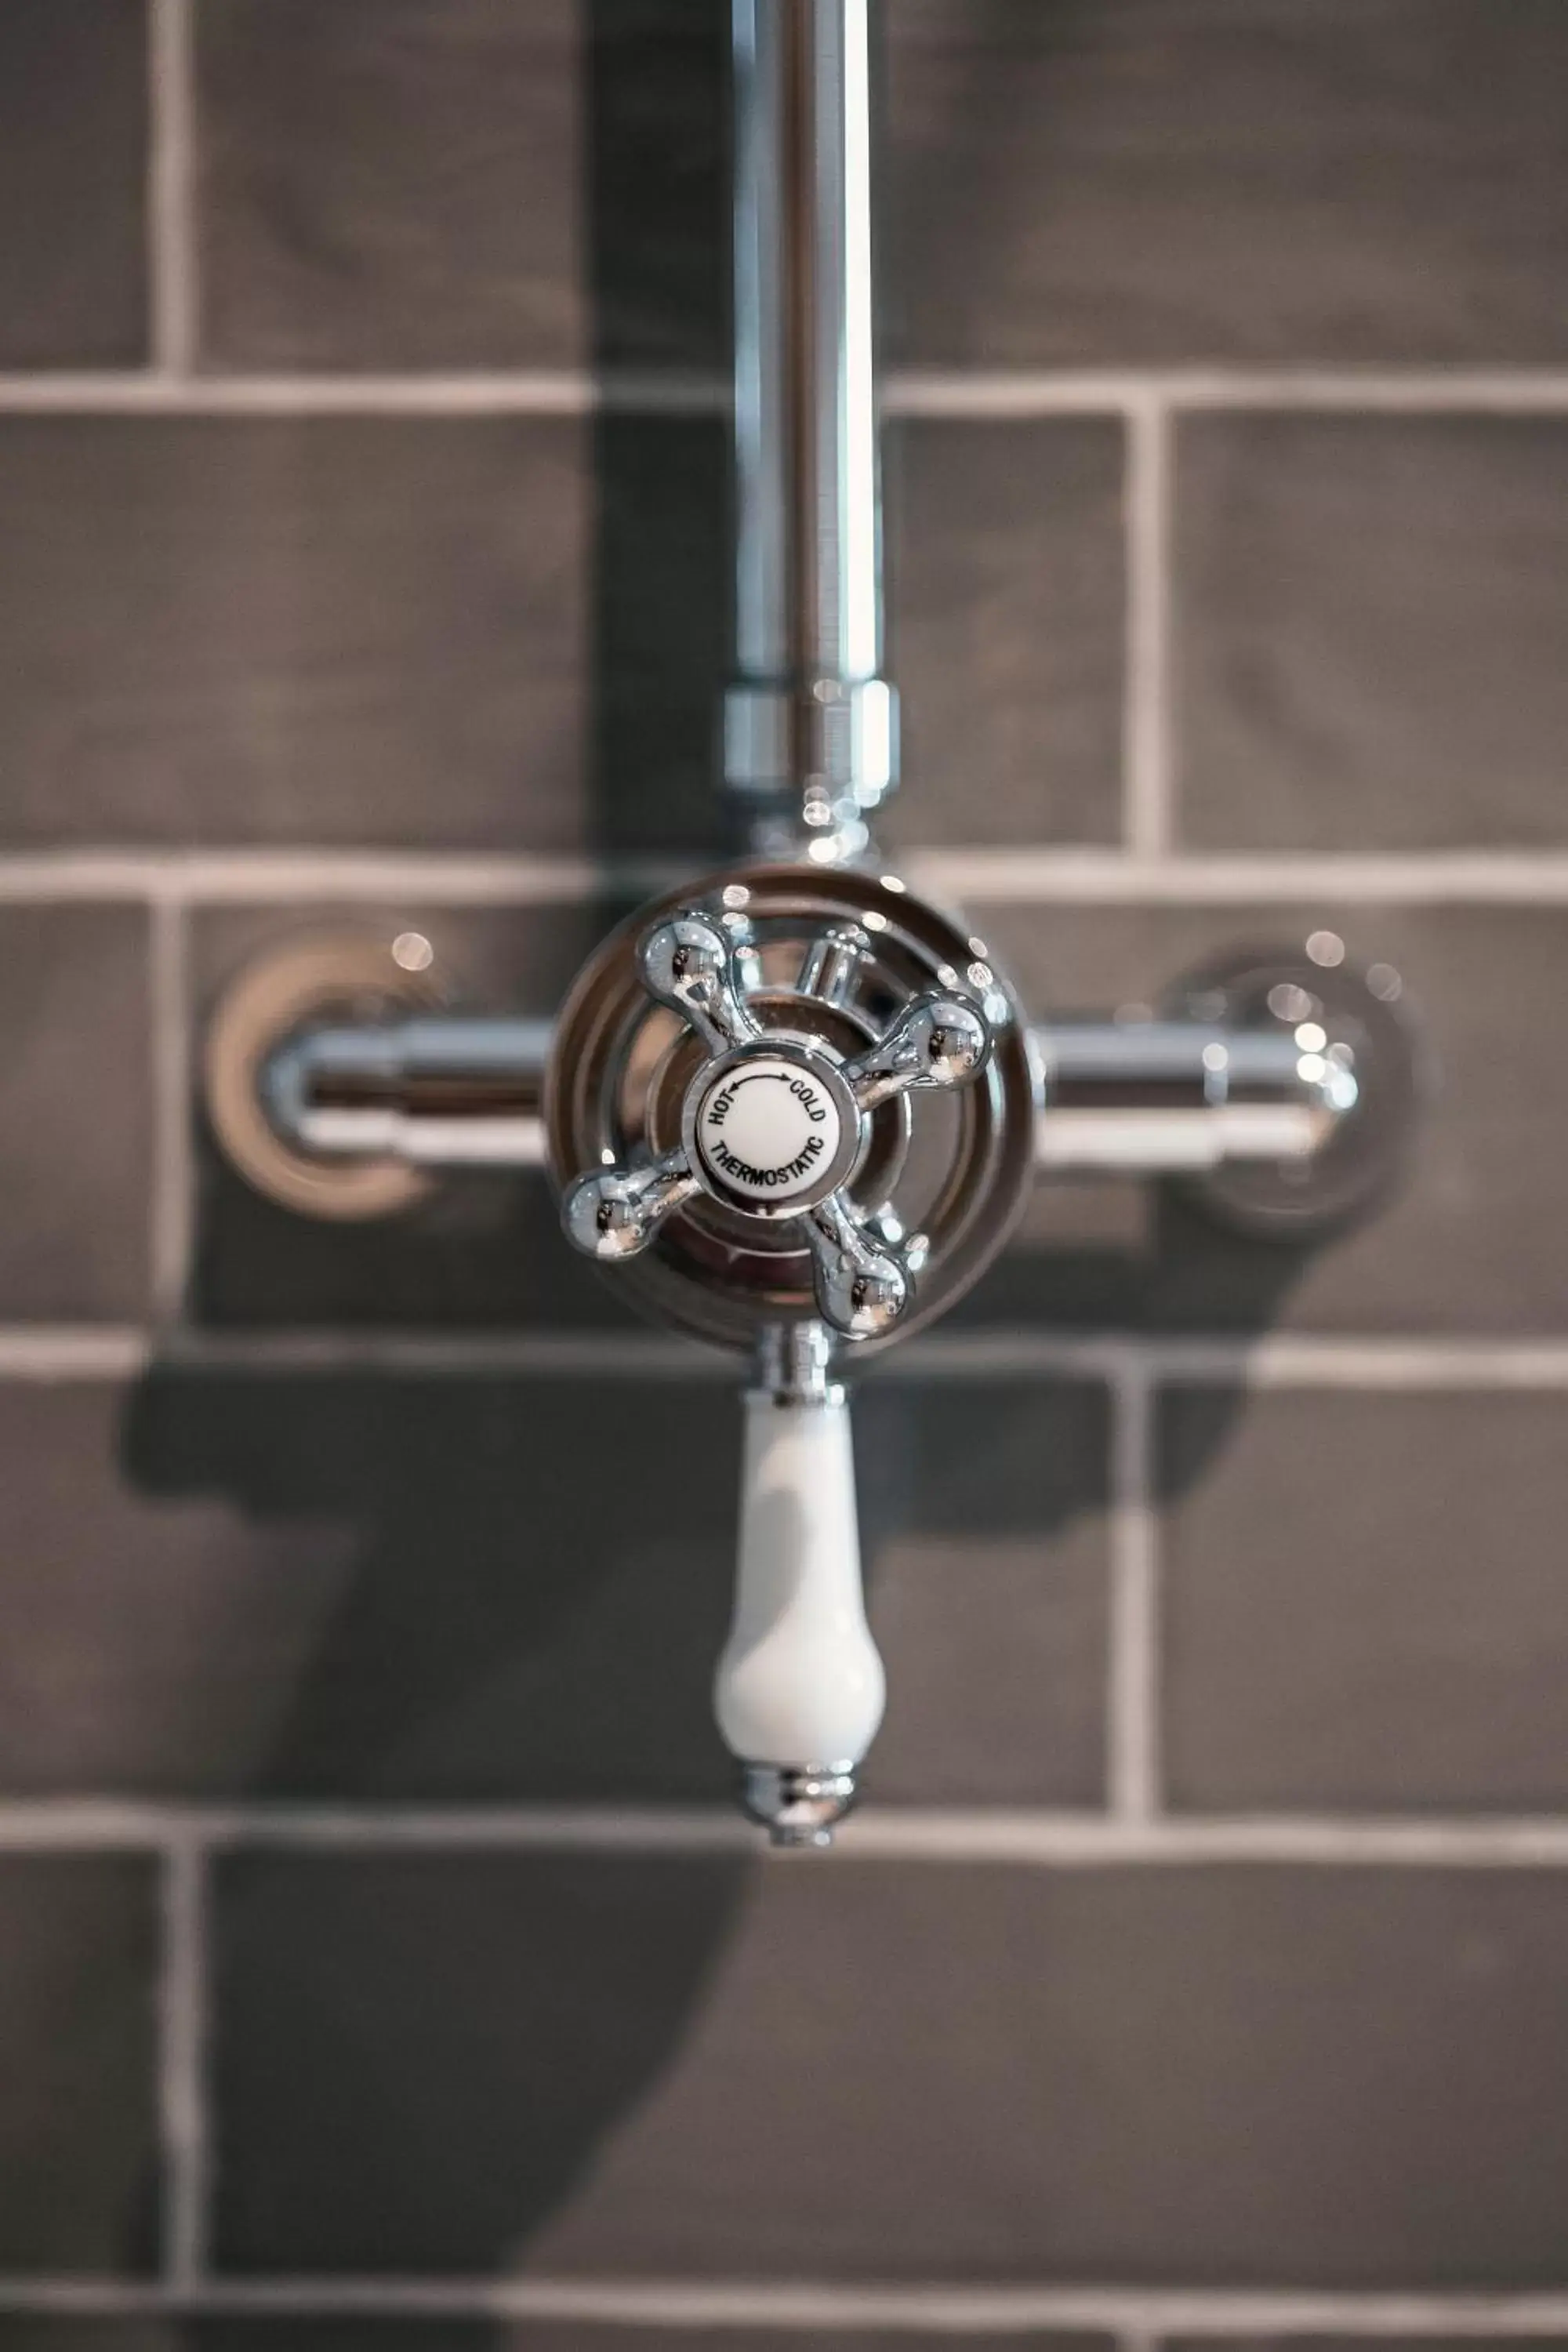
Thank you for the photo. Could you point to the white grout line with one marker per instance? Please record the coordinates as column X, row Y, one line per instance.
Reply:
column 544, row 392
column 1134, row 1711
column 46, row 1352
column 1020, row 877
column 1147, row 709
column 1416, row 391
column 183, row 2022
column 1140, row 2313
column 1277, row 1361
column 172, row 1170
column 978, row 395
column 292, row 877
column 171, row 218
column 1285, row 878
column 86, row 1351
column 952, row 1836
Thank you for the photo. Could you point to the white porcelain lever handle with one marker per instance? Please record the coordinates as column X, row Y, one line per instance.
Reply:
column 799, row 1688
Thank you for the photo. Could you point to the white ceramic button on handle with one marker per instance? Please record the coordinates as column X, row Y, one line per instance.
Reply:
column 800, row 1684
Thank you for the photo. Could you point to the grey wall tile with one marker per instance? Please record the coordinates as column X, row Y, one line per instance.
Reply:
column 78, row 2187
column 983, row 1516
column 363, row 1587
column 1372, row 631
column 1473, row 1239
column 380, row 631
column 1246, row 2075
column 328, row 631
column 1249, row 180
column 462, row 184
column 1363, row 1601
column 381, row 1587
column 1007, row 603
column 391, row 185
column 73, row 167
column 74, row 1114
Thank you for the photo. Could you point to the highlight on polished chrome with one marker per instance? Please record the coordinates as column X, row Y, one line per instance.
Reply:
column 791, row 1108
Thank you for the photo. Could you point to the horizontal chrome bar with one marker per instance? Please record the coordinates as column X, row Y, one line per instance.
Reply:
column 1129, row 1096
column 434, row 1092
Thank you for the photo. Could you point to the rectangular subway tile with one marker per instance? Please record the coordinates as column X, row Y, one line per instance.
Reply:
column 1372, row 632
column 1363, row 1601
column 484, row 186
column 369, row 1586
column 79, row 2150
column 1107, row 183
column 1471, row 1238
column 487, row 633
column 1006, row 601
column 1246, row 2076
column 73, row 168
column 75, row 1118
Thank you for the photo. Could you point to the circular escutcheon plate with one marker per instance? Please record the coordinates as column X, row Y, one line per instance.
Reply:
column 956, row 1166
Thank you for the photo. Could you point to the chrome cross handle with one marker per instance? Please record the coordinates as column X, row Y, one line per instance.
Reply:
column 775, row 1124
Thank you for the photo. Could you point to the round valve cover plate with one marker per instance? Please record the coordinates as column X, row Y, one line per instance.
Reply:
column 955, row 1165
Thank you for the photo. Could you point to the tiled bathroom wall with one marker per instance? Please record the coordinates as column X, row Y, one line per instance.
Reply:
column 381, row 1969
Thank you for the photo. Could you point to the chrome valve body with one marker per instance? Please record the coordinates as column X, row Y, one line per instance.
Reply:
column 732, row 1105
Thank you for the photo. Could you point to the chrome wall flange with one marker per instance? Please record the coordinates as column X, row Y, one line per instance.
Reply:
column 296, row 990
column 1360, row 1051
column 831, row 959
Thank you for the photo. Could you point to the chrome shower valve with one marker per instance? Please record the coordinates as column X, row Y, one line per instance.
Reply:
column 775, row 1122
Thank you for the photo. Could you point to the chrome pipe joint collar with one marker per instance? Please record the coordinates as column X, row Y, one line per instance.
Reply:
column 810, row 764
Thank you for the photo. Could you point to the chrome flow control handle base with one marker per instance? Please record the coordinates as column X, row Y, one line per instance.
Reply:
column 776, row 1123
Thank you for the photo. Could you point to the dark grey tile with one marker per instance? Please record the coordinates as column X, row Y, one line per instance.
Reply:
column 1473, row 1239
column 1228, row 2075
column 73, row 167
column 1129, row 181
column 461, row 184
column 314, row 1585
column 382, row 631
column 1007, row 625
column 78, row 2185
column 1363, row 1601
column 982, row 1513
column 1372, row 631
column 345, row 1586
column 74, row 1114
